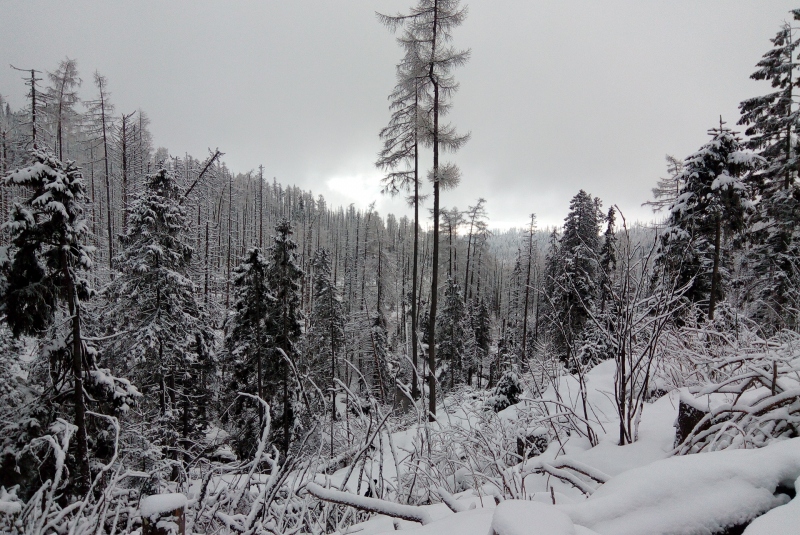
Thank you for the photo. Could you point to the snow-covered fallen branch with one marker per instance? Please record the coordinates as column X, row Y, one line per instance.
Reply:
column 453, row 504
column 374, row 505
column 753, row 399
column 558, row 469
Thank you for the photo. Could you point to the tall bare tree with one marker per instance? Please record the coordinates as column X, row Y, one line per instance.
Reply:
column 426, row 40
column 400, row 159
column 101, row 111
column 476, row 215
column 63, row 95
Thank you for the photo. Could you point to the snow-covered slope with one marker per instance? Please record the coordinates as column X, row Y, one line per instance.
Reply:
column 648, row 490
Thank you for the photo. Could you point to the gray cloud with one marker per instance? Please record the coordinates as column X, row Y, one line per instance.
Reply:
column 558, row 95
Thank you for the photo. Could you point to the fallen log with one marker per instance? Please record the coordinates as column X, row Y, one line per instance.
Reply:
column 373, row 505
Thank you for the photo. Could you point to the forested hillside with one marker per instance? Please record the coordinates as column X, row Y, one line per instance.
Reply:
column 275, row 364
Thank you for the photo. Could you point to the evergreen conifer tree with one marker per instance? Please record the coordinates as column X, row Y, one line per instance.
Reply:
column 169, row 345
column 482, row 335
column 595, row 344
column 45, row 282
column 246, row 342
column 608, row 257
column 384, row 368
column 326, row 337
column 284, row 276
column 452, row 328
column 574, row 286
column 773, row 121
column 710, row 209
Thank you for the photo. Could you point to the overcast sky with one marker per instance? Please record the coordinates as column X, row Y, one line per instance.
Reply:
column 558, row 95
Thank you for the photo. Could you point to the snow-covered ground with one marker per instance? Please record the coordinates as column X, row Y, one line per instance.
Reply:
column 648, row 490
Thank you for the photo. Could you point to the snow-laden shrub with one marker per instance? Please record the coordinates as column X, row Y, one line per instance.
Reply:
column 250, row 496
column 10, row 507
column 506, row 393
column 748, row 387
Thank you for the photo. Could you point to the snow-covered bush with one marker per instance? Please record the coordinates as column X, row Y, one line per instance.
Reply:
column 254, row 495
column 748, row 388
column 506, row 393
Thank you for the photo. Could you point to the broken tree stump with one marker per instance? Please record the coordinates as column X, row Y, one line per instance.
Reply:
column 689, row 415
column 163, row 514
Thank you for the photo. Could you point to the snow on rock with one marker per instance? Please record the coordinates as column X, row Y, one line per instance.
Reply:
column 10, row 508
column 158, row 504
column 702, row 493
column 781, row 520
column 521, row 517
column 10, row 504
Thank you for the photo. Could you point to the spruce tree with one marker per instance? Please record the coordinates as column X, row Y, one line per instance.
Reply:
column 480, row 321
column 550, row 273
column 574, row 286
column 45, row 282
column 516, row 293
column 246, row 342
column 452, row 328
column 384, row 368
column 709, row 211
column 773, row 121
column 24, row 412
column 529, row 254
column 325, row 341
column 169, row 345
column 552, row 268
column 608, row 258
column 284, row 276
column 594, row 344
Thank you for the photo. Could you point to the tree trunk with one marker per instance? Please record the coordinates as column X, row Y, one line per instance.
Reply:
column 364, row 267
column 527, row 292
column 415, row 393
column 712, row 302
column 77, row 371
column 261, row 207
column 205, row 287
column 435, row 258
column 163, row 384
column 287, row 406
column 108, row 178
column 59, row 120
column 466, row 266
column 622, row 385
column 125, row 172
column 354, row 267
column 333, row 364
column 228, row 276
column 185, row 429
column 33, row 108
column 260, row 387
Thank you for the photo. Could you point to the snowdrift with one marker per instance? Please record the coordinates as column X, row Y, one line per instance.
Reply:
column 696, row 494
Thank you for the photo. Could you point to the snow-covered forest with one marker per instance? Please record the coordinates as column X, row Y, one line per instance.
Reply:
column 190, row 348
